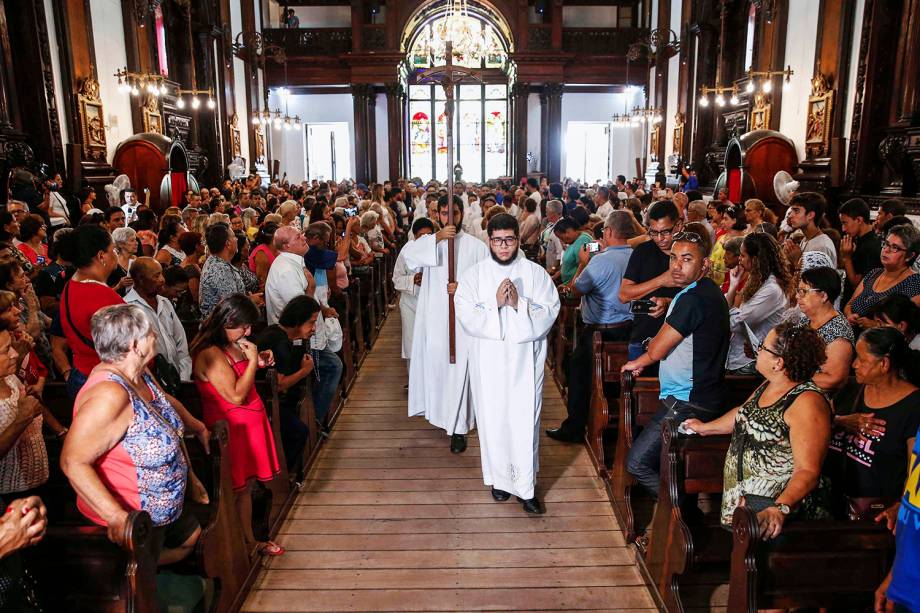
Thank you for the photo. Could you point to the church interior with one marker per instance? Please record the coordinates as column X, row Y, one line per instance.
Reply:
column 210, row 109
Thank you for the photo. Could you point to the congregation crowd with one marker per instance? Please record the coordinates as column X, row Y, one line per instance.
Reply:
column 122, row 303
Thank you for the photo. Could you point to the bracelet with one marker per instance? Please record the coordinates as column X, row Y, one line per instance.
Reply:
column 62, row 433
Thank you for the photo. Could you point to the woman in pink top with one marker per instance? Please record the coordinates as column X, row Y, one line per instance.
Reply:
column 261, row 258
column 224, row 367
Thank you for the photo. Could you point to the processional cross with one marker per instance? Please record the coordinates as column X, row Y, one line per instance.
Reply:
column 448, row 76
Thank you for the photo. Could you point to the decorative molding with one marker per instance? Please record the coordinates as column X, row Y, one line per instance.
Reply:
column 678, row 134
column 820, row 115
column 92, row 120
column 859, row 93
column 760, row 113
column 153, row 119
column 653, row 140
column 143, row 9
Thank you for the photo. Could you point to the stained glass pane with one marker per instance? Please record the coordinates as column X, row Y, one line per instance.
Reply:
column 439, row 93
column 420, row 140
column 419, row 92
column 496, row 138
column 470, row 140
column 440, row 142
column 470, row 92
column 496, row 91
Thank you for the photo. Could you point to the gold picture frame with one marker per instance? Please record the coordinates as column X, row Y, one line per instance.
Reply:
column 92, row 120
column 153, row 120
column 820, row 116
column 760, row 113
column 236, row 146
column 678, row 144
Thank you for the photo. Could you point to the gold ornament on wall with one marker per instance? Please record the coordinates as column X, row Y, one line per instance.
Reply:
column 153, row 120
column 678, row 145
column 92, row 119
column 820, row 113
column 760, row 113
column 236, row 147
column 653, row 141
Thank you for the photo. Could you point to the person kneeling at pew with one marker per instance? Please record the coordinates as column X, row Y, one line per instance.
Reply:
column 691, row 345
column 779, row 435
column 124, row 449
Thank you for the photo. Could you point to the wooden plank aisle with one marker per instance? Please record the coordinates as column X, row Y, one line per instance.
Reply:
column 390, row 520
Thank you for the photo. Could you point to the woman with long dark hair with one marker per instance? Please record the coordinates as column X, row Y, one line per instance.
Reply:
column 224, row 367
column 169, row 251
column 732, row 224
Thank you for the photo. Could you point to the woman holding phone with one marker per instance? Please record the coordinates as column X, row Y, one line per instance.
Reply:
column 224, row 367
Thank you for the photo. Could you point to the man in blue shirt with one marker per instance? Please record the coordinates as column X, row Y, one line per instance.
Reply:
column 598, row 284
column 691, row 346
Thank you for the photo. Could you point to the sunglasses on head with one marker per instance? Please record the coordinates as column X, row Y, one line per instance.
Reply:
column 687, row 237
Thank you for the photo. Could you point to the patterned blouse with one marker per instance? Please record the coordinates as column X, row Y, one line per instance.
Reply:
column 836, row 327
column 26, row 464
column 861, row 304
column 219, row 279
column 761, row 440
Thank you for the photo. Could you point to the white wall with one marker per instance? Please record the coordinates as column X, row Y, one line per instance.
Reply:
column 800, row 55
column 627, row 142
column 109, row 38
column 673, row 81
column 383, row 138
column 851, row 78
column 288, row 147
column 62, row 110
column 240, row 74
column 589, row 17
column 535, row 133
column 323, row 16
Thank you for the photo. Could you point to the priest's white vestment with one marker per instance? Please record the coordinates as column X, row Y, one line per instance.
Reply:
column 404, row 282
column 438, row 389
column 507, row 357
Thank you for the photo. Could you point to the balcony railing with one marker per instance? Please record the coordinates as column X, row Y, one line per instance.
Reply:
column 600, row 41
column 311, row 41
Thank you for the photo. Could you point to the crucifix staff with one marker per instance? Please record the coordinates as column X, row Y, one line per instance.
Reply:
column 449, row 76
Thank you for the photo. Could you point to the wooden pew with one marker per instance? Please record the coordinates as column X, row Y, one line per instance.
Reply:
column 282, row 488
column 609, row 357
column 79, row 569
column 367, row 305
column 355, row 325
column 686, row 551
column 344, row 307
column 638, row 404
column 380, row 301
column 567, row 331
column 813, row 564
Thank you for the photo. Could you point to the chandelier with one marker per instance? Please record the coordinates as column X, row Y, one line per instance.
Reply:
column 468, row 36
column 275, row 118
column 765, row 85
column 134, row 83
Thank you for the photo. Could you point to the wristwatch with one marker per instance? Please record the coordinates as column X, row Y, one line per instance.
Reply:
column 783, row 508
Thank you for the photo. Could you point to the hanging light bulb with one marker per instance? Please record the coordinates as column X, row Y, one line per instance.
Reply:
column 297, row 122
column 211, row 103
column 734, row 100
column 767, row 86
column 195, row 102
column 720, row 100
column 787, row 84
column 255, row 120
column 656, row 119
column 749, row 88
column 163, row 89
column 704, row 100
column 180, row 103
column 135, row 91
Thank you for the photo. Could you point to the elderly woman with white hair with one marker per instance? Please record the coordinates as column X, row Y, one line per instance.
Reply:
column 124, row 449
column 290, row 214
column 125, row 240
column 250, row 218
column 370, row 227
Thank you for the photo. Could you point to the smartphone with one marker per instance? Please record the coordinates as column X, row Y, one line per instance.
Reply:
column 351, row 212
column 593, row 247
column 642, row 306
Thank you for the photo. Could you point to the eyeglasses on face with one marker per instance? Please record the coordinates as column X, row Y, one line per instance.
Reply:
column 892, row 247
column 689, row 237
column 661, row 233
column 763, row 347
column 503, row 241
column 801, row 292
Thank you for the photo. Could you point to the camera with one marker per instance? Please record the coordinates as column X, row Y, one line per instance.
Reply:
column 642, row 306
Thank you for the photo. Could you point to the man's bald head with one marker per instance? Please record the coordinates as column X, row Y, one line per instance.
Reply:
column 147, row 274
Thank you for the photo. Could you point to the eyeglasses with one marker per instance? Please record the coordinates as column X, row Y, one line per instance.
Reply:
column 687, row 237
column 892, row 247
column 802, row 291
column 763, row 347
column 506, row 241
column 661, row 233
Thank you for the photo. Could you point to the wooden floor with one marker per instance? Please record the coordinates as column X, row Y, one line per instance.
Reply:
column 390, row 520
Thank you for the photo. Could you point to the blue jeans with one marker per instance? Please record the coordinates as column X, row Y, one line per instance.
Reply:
column 328, row 369
column 75, row 382
column 644, row 459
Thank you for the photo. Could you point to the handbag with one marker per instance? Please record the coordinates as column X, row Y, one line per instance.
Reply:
column 867, row 508
column 167, row 375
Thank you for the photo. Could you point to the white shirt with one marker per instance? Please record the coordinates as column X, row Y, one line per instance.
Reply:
column 287, row 279
column 171, row 341
column 823, row 243
column 604, row 210
column 58, row 205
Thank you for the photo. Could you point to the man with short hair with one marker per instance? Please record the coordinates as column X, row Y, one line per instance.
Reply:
column 887, row 210
column 149, row 283
column 860, row 247
column 438, row 389
column 598, row 285
column 573, row 239
column 18, row 209
column 114, row 218
column 806, row 210
column 129, row 204
column 692, row 346
column 648, row 276
column 507, row 304
column 698, row 212
column 219, row 278
column 602, row 205
column 549, row 242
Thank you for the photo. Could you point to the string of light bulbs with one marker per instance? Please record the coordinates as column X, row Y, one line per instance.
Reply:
column 133, row 83
column 752, row 76
column 195, row 101
column 275, row 118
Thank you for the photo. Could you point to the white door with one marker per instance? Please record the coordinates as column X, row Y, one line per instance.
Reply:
column 328, row 151
column 587, row 146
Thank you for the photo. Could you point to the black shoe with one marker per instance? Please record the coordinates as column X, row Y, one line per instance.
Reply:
column 500, row 495
column 406, row 387
column 533, row 506
column 458, row 443
column 565, row 436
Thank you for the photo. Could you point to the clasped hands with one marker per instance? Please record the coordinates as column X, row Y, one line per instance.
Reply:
column 507, row 295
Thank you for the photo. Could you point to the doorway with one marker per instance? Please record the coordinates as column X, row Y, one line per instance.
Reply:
column 328, row 151
column 587, row 146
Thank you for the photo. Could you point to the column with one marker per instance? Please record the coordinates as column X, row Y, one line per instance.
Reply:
column 360, row 95
column 519, row 92
column 551, row 99
column 371, row 134
column 394, row 92
column 910, row 92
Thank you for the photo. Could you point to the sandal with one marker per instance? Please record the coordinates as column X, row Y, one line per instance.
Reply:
column 269, row 548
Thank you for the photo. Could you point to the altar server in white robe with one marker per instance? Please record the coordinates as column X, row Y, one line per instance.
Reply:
column 508, row 304
column 407, row 282
column 438, row 389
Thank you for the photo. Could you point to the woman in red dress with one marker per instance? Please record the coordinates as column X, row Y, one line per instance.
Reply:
column 224, row 367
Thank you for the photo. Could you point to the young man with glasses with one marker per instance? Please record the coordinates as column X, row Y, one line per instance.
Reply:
column 691, row 346
column 438, row 389
column 507, row 305
column 648, row 276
